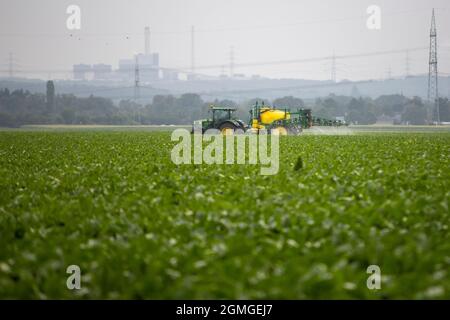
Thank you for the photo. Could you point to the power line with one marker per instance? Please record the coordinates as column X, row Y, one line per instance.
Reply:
column 264, row 63
column 92, row 91
column 316, row 59
column 229, row 93
column 252, row 64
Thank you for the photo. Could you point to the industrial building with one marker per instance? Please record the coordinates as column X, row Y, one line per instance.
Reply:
column 146, row 65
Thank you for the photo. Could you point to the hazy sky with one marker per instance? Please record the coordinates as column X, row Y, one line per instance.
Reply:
column 259, row 30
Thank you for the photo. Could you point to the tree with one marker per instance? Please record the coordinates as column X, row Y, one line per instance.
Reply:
column 225, row 103
column 50, row 97
column 171, row 110
column 6, row 120
column 355, row 92
column 359, row 112
column 289, row 102
column 329, row 108
column 190, row 100
column 189, row 107
column 390, row 105
column 415, row 112
column 250, row 103
column 444, row 109
column 68, row 116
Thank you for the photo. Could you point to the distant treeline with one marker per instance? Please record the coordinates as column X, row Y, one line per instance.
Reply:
column 21, row 107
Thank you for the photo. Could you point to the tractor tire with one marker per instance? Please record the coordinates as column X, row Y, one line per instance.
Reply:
column 227, row 128
column 280, row 131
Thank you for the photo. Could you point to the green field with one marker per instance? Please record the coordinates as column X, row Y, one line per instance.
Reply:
column 138, row 226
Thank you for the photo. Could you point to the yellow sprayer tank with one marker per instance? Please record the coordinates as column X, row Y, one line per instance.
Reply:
column 269, row 115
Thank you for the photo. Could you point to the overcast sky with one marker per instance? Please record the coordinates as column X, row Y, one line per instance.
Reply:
column 259, row 30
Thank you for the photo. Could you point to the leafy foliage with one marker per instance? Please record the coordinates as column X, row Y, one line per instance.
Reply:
column 141, row 227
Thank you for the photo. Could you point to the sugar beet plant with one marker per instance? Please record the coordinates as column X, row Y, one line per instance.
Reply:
column 139, row 226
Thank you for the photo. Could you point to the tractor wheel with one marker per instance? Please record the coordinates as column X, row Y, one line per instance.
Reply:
column 227, row 128
column 279, row 131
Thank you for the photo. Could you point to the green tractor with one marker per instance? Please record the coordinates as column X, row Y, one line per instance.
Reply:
column 222, row 119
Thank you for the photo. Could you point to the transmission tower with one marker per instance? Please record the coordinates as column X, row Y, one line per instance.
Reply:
column 333, row 68
column 136, row 79
column 389, row 73
column 433, row 93
column 137, row 93
column 231, row 62
column 11, row 65
column 192, row 50
column 407, row 64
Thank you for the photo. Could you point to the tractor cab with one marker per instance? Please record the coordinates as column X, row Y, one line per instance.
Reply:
column 220, row 114
column 221, row 119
